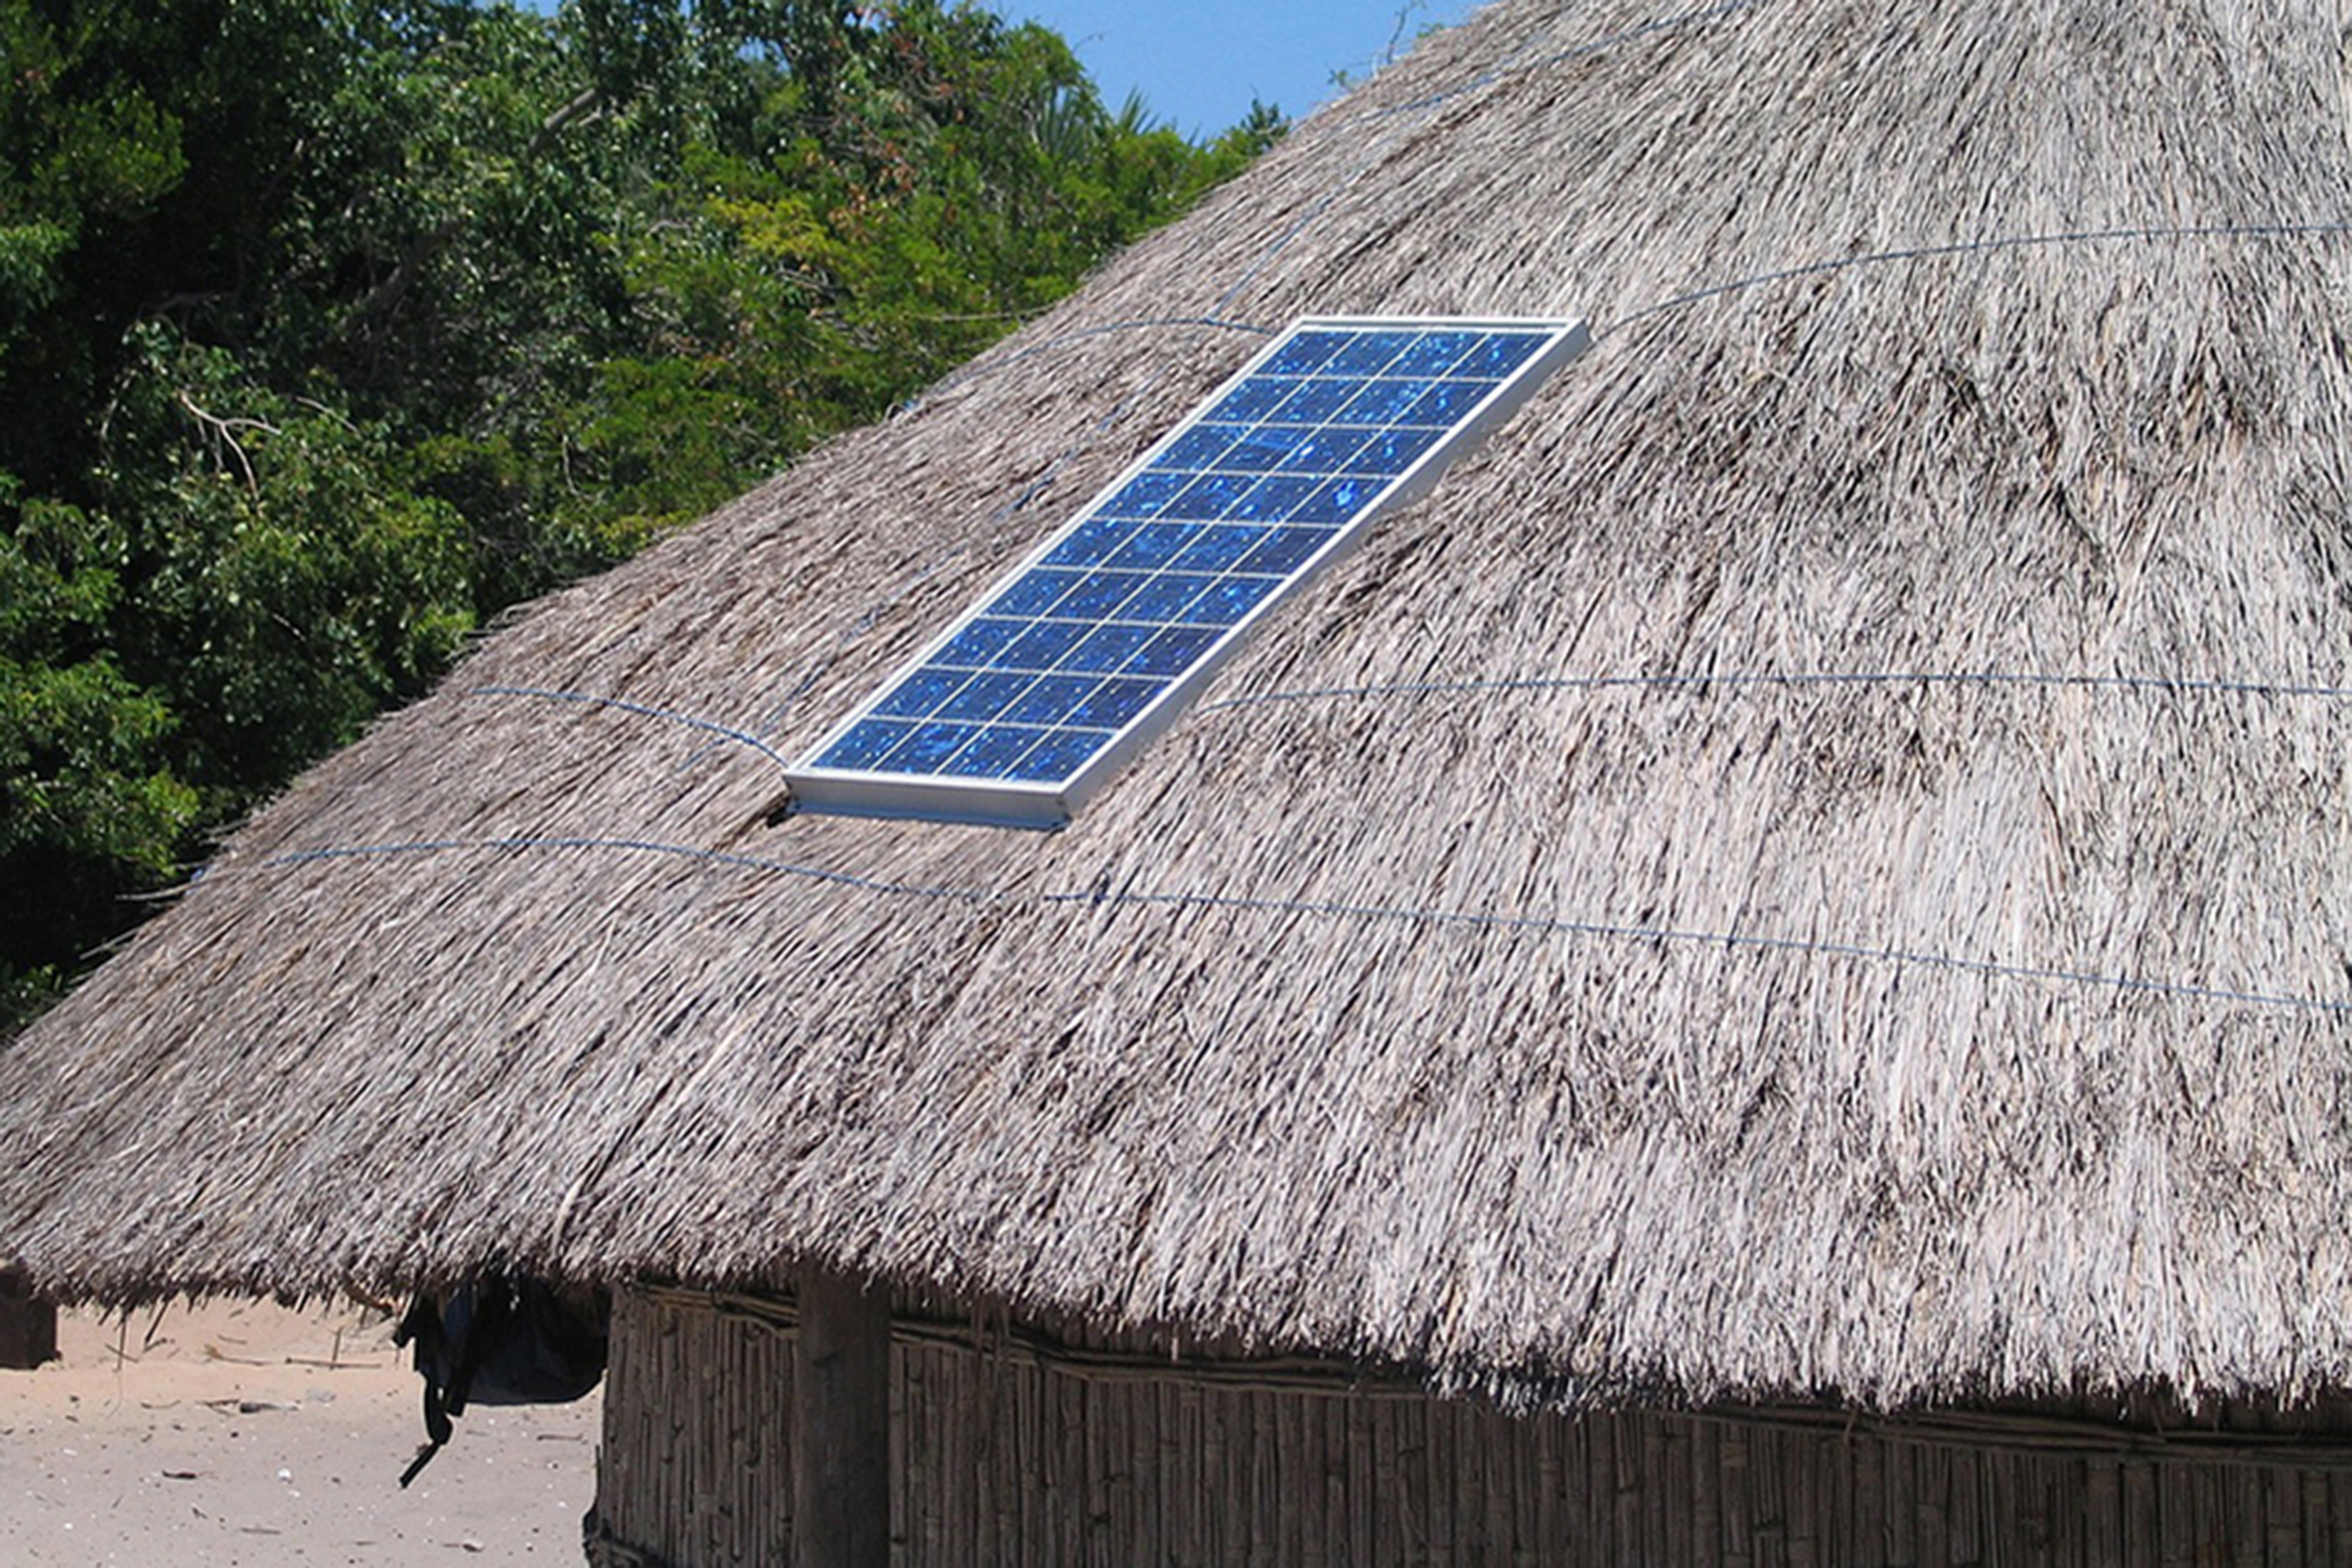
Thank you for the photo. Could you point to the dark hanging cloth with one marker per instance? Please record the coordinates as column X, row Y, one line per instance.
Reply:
column 503, row 1341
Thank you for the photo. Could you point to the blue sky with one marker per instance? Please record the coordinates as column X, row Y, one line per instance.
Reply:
column 1199, row 62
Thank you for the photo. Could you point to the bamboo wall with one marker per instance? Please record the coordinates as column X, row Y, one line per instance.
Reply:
column 1008, row 1451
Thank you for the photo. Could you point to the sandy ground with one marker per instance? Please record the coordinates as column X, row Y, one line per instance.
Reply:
column 247, row 1433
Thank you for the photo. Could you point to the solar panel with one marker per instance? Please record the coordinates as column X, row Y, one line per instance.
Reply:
column 1079, row 655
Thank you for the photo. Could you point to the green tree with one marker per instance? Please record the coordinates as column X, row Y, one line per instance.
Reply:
column 330, row 328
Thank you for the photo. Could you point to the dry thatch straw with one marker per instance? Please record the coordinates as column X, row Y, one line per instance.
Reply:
column 1816, row 862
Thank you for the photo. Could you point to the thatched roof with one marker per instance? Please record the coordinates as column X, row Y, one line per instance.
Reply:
column 1817, row 860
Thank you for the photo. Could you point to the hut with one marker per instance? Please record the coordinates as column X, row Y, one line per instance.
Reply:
column 1762, row 976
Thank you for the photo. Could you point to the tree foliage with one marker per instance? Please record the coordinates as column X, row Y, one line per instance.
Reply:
column 327, row 328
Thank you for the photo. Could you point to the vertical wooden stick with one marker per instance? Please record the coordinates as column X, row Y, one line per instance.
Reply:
column 841, row 1425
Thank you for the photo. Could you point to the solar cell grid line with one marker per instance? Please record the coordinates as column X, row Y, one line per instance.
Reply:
column 1071, row 661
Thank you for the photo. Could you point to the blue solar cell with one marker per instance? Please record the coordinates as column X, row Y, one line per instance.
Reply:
column 1446, row 404
column 1019, row 711
column 1197, row 447
column 1143, row 495
column 1316, row 402
column 994, row 754
column 980, row 643
column 919, row 694
column 1367, row 353
column 868, row 742
column 1273, row 499
column 1498, row 354
column 1059, row 753
column 1232, row 598
column 1164, row 597
column 1434, row 353
column 1381, row 402
column 1098, row 597
column 1327, row 452
column 1285, row 550
column 1092, row 541
column 1115, row 701
column 1154, row 544
column 1051, row 697
column 1304, row 354
column 1108, row 648
column 1034, row 592
column 1041, row 646
column 1172, row 651
column 985, row 695
column 1249, row 402
column 1217, row 549
column 1211, row 496
column 1391, row 451
column 928, row 748
column 1261, row 450
column 1336, row 502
